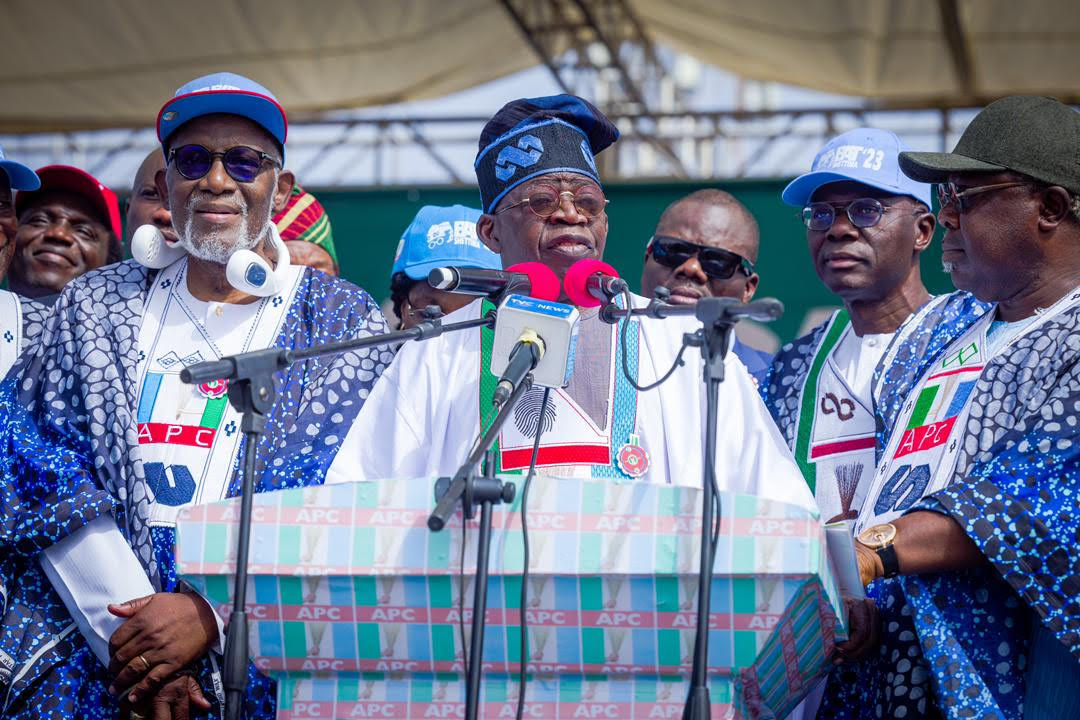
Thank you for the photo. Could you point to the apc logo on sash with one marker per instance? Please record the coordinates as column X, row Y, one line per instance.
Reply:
column 527, row 153
column 172, row 485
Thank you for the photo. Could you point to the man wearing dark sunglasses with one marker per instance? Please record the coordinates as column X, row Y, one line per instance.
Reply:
column 705, row 245
column 129, row 443
column 969, row 529
column 542, row 201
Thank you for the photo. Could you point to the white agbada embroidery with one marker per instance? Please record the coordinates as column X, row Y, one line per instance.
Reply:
column 423, row 415
column 189, row 436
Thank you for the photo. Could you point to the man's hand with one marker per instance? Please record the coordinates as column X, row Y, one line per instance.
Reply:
column 864, row 630
column 164, row 633
column 870, row 567
column 173, row 701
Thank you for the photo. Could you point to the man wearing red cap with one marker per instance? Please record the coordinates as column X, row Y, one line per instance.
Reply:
column 68, row 227
column 110, row 445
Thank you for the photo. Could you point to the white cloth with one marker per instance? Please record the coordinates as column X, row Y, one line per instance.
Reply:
column 95, row 566
column 423, row 416
column 856, row 357
column 11, row 330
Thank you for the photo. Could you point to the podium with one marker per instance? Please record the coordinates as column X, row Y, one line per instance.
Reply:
column 357, row 608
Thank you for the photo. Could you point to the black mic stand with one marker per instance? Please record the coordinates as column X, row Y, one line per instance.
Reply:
column 487, row 490
column 718, row 317
column 252, row 393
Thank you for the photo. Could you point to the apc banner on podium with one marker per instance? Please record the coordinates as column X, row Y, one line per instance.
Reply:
column 357, row 607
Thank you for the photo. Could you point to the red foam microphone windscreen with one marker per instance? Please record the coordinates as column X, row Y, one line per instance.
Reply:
column 575, row 282
column 543, row 282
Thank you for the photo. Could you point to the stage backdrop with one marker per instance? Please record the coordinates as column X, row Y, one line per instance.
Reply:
column 368, row 224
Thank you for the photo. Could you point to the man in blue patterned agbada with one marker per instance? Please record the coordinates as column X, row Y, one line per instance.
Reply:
column 102, row 445
column 968, row 534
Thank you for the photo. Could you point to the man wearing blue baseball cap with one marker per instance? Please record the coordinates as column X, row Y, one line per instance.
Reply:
column 103, row 381
column 543, row 202
column 21, row 319
column 437, row 237
column 866, row 227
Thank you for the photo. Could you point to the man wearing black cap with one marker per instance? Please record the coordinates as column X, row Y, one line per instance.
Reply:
column 124, row 444
column 542, row 201
column 21, row 320
column 968, row 536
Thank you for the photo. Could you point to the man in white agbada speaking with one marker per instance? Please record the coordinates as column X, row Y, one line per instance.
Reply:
column 543, row 202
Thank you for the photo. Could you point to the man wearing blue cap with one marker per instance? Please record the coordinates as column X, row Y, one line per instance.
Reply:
column 123, row 445
column 968, row 535
column 543, row 202
column 437, row 237
column 21, row 319
column 866, row 226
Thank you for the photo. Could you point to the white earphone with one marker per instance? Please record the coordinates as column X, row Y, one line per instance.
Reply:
column 150, row 248
column 245, row 270
column 249, row 272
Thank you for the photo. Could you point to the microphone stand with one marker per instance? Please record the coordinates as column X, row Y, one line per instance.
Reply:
column 718, row 317
column 252, row 393
column 487, row 490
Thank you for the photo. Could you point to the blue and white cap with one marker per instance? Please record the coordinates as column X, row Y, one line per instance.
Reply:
column 19, row 176
column 223, row 92
column 442, row 236
column 865, row 155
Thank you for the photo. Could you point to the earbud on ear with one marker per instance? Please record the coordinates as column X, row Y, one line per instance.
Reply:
column 249, row 272
column 150, row 248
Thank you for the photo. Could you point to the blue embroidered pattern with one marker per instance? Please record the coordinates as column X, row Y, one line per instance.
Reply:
column 69, row 453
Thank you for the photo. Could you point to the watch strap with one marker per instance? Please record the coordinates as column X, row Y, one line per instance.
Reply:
column 889, row 564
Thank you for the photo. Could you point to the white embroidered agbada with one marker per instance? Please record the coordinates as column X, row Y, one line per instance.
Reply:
column 424, row 414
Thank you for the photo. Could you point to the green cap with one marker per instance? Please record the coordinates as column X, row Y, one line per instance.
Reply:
column 1036, row 136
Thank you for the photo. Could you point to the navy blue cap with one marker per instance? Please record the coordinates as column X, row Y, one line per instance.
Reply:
column 442, row 236
column 228, row 93
column 529, row 137
column 865, row 155
column 19, row 176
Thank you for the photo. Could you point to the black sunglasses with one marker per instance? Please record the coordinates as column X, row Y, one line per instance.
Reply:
column 717, row 264
column 242, row 163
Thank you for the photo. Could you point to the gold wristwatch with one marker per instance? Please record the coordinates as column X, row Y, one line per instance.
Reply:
column 881, row 538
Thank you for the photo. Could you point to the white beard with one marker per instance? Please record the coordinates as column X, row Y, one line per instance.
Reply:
column 947, row 267
column 219, row 245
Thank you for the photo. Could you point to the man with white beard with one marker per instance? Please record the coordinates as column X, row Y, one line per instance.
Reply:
column 104, row 445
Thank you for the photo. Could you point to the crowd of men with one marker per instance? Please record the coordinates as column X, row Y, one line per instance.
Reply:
column 943, row 428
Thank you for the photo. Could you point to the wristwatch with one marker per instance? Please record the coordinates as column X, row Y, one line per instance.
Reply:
column 881, row 539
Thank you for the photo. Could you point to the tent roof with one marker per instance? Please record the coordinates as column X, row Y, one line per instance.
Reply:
column 72, row 65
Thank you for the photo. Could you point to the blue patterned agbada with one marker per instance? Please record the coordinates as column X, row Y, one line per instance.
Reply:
column 959, row 641
column 70, row 453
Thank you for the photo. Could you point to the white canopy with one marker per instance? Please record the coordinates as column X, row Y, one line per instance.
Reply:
column 71, row 64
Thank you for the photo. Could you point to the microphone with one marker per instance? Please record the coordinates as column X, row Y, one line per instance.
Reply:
column 763, row 310
column 533, row 336
column 591, row 283
column 530, row 278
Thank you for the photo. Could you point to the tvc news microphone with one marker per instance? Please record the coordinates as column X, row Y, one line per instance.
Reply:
column 533, row 336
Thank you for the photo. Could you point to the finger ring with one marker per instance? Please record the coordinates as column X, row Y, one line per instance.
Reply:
column 145, row 662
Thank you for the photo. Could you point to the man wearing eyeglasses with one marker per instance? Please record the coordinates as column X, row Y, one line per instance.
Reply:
column 968, row 536
column 543, row 202
column 705, row 245
column 21, row 319
column 866, row 225
column 123, row 444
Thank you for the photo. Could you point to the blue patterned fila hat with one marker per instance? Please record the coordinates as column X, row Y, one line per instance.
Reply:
column 536, row 136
